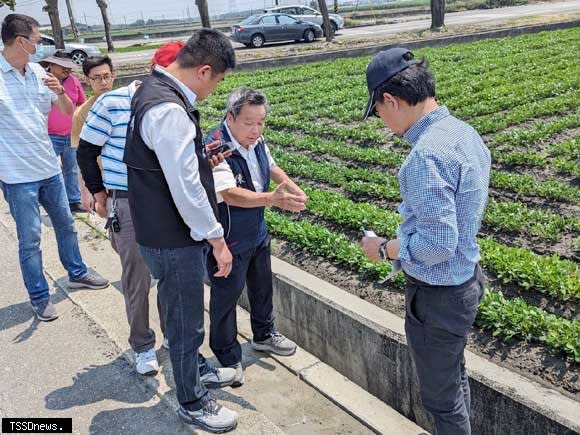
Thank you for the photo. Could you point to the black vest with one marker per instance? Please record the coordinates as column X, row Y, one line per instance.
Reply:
column 156, row 219
column 244, row 228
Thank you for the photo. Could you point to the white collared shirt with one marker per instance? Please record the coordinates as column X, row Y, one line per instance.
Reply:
column 169, row 132
column 224, row 177
column 26, row 152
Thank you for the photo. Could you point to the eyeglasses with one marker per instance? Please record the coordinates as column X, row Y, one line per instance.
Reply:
column 30, row 40
column 105, row 77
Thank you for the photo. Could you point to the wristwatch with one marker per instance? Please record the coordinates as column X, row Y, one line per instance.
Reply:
column 383, row 253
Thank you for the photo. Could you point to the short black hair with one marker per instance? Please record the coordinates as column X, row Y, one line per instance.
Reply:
column 17, row 25
column 208, row 47
column 413, row 85
column 95, row 61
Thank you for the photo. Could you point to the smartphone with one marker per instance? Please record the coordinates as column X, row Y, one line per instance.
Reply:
column 221, row 149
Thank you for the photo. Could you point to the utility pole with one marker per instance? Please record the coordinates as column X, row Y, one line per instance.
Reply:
column 73, row 23
column 86, row 22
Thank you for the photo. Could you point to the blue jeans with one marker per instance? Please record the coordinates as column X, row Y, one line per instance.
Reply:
column 25, row 200
column 68, row 158
column 181, row 273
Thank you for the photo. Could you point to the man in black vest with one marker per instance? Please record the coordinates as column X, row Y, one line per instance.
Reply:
column 242, row 186
column 174, row 208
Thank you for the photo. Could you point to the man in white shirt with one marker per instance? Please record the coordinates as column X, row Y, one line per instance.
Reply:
column 242, row 184
column 173, row 208
column 30, row 175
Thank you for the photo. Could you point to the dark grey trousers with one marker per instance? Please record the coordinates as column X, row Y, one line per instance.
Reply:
column 135, row 280
column 437, row 322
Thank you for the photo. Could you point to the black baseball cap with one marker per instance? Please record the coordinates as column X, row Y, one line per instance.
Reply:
column 384, row 66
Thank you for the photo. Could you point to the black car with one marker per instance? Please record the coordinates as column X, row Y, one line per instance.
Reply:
column 257, row 30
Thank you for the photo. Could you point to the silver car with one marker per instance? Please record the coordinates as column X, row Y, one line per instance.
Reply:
column 257, row 30
column 78, row 52
column 304, row 13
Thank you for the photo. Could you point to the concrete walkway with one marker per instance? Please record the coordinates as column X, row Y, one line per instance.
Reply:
column 79, row 366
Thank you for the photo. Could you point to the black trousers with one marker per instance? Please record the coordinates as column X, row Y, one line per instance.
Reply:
column 254, row 269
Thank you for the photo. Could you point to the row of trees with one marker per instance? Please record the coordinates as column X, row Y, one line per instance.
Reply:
column 51, row 7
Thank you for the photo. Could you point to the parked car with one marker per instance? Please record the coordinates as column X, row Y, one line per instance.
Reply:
column 257, row 30
column 79, row 52
column 304, row 13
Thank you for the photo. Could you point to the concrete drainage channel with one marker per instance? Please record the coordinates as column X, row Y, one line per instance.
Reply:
column 367, row 345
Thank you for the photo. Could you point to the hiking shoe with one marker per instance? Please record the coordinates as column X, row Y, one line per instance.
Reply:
column 90, row 280
column 277, row 344
column 217, row 377
column 239, row 379
column 146, row 363
column 77, row 207
column 45, row 311
column 212, row 417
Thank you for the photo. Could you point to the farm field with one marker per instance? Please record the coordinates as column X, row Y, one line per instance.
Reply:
column 523, row 95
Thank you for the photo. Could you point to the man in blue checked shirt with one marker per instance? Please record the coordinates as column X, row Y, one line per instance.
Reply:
column 444, row 186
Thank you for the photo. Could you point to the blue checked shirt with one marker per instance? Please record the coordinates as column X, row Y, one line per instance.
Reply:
column 444, row 185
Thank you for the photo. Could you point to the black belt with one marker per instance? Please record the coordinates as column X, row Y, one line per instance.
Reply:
column 118, row 193
column 477, row 274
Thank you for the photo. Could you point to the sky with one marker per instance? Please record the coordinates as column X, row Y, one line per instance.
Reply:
column 130, row 10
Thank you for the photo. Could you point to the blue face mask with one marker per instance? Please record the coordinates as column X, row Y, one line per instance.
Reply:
column 38, row 55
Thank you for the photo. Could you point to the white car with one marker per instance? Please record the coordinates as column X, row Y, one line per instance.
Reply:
column 79, row 52
column 304, row 13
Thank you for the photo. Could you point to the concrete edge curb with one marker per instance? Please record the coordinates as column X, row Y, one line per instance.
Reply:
column 355, row 404
column 360, row 404
column 386, row 337
column 278, row 62
column 331, row 323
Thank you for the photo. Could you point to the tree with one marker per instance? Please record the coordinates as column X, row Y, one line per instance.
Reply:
column 328, row 29
column 102, row 4
column 73, row 24
column 437, row 15
column 9, row 3
column 52, row 9
column 203, row 13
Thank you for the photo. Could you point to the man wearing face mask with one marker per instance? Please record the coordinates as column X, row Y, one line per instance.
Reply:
column 242, row 184
column 30, row 174
column 60, row 65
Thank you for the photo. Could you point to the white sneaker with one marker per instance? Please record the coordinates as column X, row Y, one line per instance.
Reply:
column 146, row 363
column 212, row 417
column 239, row 379
column 218, row 377
column 277, row 344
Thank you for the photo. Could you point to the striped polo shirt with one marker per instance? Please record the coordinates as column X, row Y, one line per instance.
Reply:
column 106, row 126
column 26, row 153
